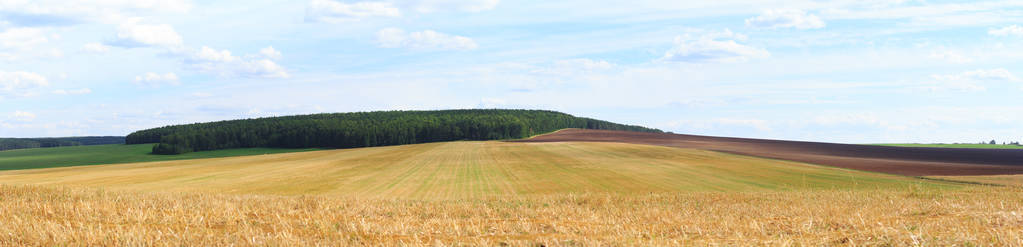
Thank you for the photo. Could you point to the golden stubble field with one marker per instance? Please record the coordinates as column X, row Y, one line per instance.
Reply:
column 496, row 193
column 978, row 216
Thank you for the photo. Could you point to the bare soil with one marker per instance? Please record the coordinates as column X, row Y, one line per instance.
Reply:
column 911, row 161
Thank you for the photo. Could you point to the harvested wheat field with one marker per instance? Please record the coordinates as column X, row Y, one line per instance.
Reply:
column 459, row 170
column 47, row 216
column 496, row 193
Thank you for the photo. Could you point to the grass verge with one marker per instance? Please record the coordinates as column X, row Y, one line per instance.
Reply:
column 987, row 146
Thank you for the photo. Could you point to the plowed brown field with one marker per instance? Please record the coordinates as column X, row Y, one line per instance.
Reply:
column 912, row 161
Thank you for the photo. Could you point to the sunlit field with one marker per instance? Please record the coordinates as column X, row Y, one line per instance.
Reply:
column 496, row 193
column 32, row 215
column 460, row 170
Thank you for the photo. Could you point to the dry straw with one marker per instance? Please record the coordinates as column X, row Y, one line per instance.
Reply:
column 50, row 216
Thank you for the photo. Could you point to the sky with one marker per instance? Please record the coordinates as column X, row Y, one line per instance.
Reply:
column 876, row 71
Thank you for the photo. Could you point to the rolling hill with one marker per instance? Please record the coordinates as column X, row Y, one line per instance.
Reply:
column 365, row 129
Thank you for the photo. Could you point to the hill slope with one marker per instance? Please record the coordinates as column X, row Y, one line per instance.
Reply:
column 365, row 129
column 455, row 170
column 914, row 161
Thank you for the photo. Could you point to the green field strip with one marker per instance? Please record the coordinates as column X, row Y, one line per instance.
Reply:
column 111, row 154
column 939, row 145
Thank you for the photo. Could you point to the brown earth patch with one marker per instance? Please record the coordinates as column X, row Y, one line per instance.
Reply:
column 911, row 161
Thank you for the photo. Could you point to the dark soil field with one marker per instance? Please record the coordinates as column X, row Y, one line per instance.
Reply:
column 911, row 161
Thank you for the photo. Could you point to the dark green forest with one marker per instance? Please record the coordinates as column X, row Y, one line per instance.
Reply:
column 364, row 129
column 22, row 143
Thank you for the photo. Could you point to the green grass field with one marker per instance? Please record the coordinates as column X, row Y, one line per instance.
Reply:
column 952, row 145
column 458, row 170
column 109, row 154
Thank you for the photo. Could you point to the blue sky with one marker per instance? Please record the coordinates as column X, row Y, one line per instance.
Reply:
column 841, row 71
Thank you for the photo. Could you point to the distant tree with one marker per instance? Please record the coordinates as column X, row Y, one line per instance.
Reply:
column 993, row 142
column 22, row 143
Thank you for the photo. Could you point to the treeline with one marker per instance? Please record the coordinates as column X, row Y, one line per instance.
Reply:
column 22, row 143
column 993, row 142
column 364, row 129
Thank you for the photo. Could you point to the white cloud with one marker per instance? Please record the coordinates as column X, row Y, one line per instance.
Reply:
column 23, row 116
column 335, row 12
column 1014, row 30
column 570, row 67
column 856, row 118
column 222, row 63
column 20, row 42
column 970, row 81
column 391, row 37
column 521, row 77
column 900, row 10
column 21, row 38
column 757, row 124
column 424, row 40
column 263, row 68
column 62, row 13
column 847, row 119
column 914, row 16
column 999, row 74
column 95, row 48
column 585, row 64
column 55, row 53
column 213, row 55
column 332, row 11
column 260, row 113
column 785, row 18
column 179, row 6
column 72, row 91
column 429, row 6
column 951, row 56
column 959, row 86
column 713, row 47
column 154, row 79
column 492, row 103
column 20, row 83
column 132, row 34
column 721, row 123
column 270, row 53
